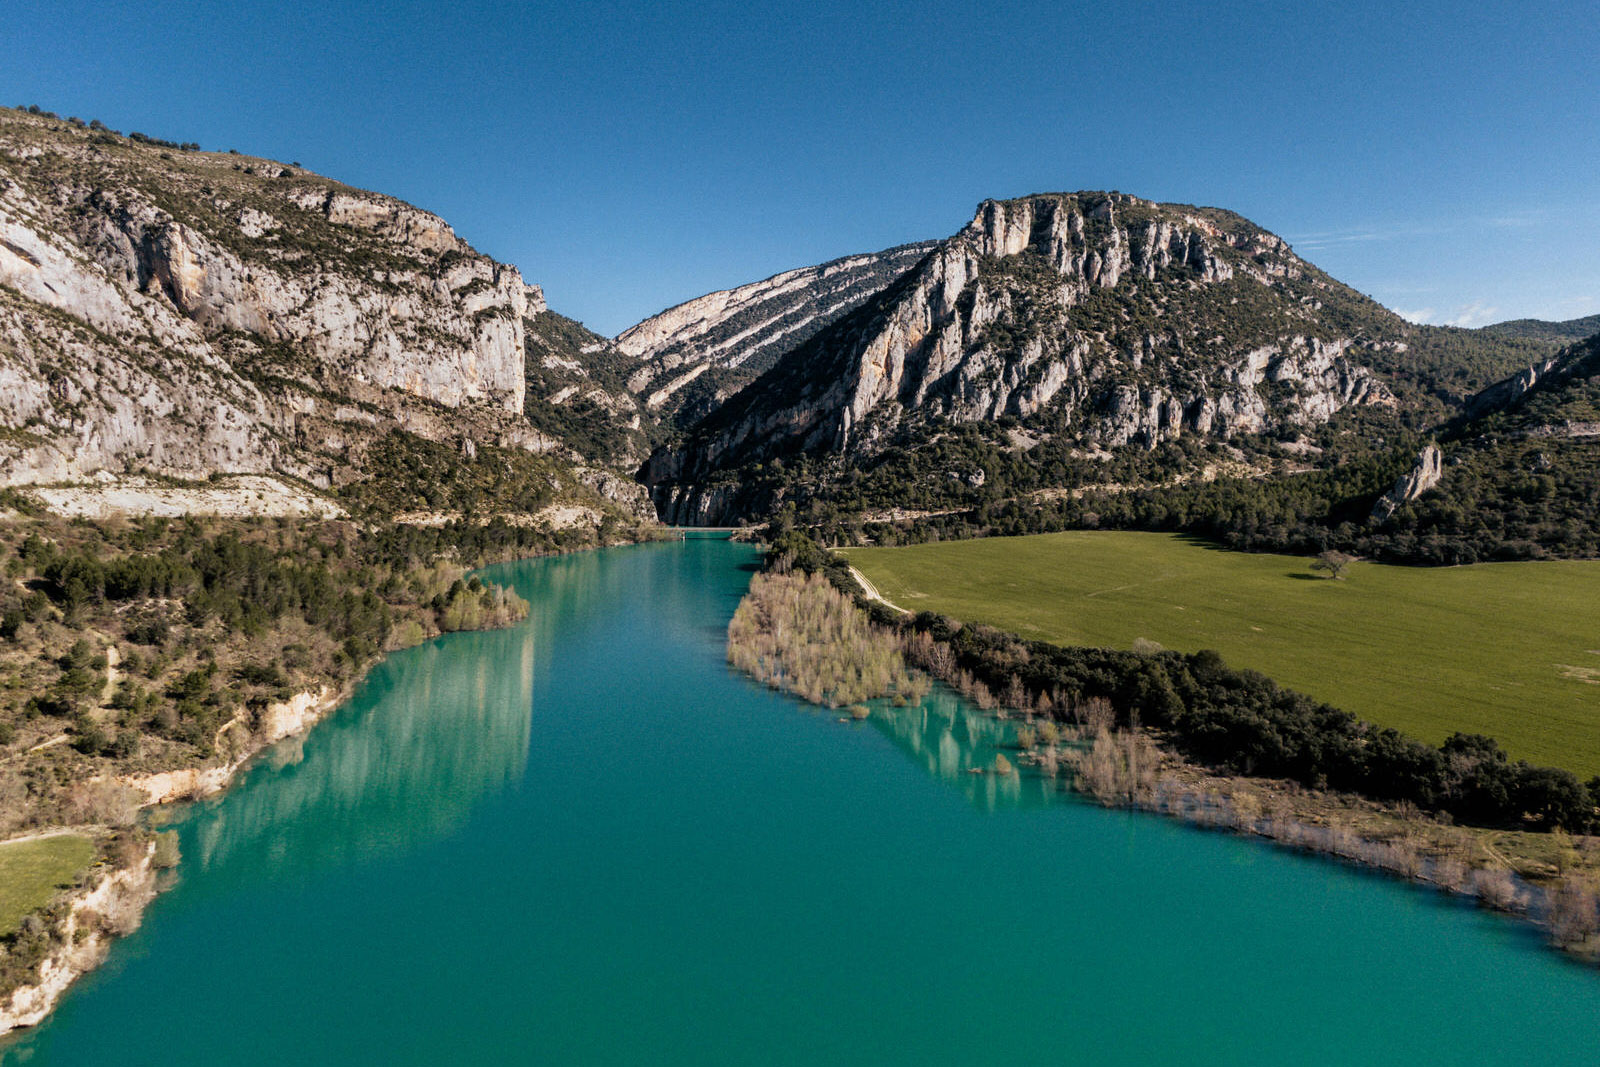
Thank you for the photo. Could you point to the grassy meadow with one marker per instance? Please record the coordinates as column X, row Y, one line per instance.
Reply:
column 33, row 871
column 1511, row 650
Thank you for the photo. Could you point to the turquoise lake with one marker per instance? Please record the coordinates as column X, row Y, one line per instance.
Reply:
column 585, row 841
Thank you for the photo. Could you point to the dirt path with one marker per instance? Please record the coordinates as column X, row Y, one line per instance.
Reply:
column 113, row 657
column 39, row 835
column 56, row 740
column 872, row 592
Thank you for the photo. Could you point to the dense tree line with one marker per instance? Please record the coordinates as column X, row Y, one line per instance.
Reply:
column 191, row 599
column 245, row 584
column 1530, row 498
column 1240, row 722
column 1245, row 723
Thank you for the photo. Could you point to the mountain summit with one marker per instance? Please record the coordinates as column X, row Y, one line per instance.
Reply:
column 1101, row 316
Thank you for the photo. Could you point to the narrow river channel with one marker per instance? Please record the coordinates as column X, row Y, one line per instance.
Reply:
column 585, row 841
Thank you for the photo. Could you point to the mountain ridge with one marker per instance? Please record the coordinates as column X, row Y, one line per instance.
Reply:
column 696, row 353
column 1030, row 301
column 172, row 312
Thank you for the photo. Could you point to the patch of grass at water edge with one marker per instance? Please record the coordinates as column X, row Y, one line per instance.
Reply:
column 32, row 872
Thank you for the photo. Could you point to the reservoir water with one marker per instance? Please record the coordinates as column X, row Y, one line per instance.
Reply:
column 585, row 841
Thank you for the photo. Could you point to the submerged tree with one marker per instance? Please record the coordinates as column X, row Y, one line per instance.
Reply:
column 801, row 635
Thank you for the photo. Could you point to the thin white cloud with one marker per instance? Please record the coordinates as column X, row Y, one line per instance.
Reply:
column 1311, row 242
column 1518, row 221
column 1473, row 314
column 1468, row 315
column 1577, row 307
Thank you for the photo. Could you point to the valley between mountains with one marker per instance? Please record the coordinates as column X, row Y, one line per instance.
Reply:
column 258, row 429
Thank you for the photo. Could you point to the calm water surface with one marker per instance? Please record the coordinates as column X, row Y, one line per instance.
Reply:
column 583, row 841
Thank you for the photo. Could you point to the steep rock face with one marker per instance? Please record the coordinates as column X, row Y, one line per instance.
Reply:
column 1506, row 392
column 1104, row 316
column 188, row 312
column 723, row 340
column 1418, row 480
column 1548, row 398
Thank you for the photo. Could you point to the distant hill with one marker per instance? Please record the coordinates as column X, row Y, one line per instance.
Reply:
column 1542, row 330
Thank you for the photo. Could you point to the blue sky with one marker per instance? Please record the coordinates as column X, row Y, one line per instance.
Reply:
column 1444, row 158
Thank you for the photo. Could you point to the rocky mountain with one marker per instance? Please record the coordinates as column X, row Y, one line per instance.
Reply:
column 1098, row 317
column 187, row 312
column 170, row 312
column 183, row 313
column 577, row 392
column 694, row 356
column 1556, row 397
column 1517, row 477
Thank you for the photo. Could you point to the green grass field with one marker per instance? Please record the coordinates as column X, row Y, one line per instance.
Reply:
column 31, row 872
column 1511, row 650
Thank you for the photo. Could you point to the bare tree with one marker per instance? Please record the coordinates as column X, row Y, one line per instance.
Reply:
column 1573, row 915
column 1333, row 562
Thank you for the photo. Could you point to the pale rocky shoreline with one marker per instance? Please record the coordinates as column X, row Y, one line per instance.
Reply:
column 103, row 912
column 114, row 904
column 134, row 887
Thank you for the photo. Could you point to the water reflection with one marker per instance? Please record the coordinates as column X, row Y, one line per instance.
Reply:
column 956, row 742
column 431, row 732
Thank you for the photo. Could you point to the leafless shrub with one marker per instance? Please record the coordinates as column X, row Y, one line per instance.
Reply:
column 1572, row 913
column 1118, row 768
column 1400, row 857
column 1016, row 695
column 802, row 635
column 1450, row 874
column 1496, row 888
column 1097, row 714
column 107, row 802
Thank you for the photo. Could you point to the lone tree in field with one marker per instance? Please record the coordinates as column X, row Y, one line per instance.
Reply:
column 1333, row 562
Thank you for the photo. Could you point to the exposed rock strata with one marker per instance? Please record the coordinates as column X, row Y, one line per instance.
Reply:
column 113, row 905
column 725, row 339
column 1109, row 317
column 1418, row 480
column 97, row 915
column 196, row 312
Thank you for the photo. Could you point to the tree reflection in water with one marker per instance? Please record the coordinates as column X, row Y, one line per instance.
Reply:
column 430, row 732
column 956, row 742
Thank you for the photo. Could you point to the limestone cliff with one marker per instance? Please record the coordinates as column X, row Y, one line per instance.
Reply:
column 1419, row 479
column 1559, row 396
column 693, row 356
column 186, row 312
column 1109, row 318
